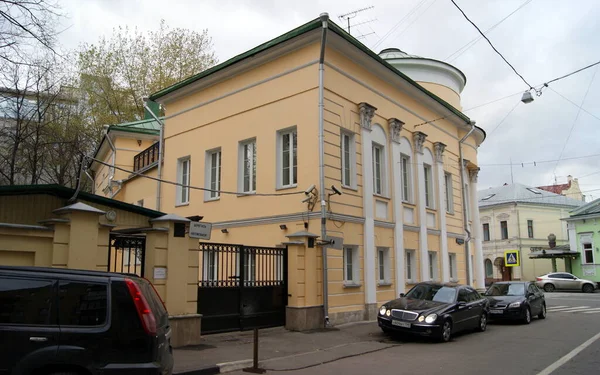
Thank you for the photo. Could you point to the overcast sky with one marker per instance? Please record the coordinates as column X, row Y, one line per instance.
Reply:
column 543, row 40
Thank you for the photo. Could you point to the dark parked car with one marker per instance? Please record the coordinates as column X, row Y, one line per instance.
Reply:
column 516, row 300
column 435, row 310
column 72, row 322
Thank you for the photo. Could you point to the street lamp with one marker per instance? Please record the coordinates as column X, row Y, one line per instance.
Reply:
column 527, row 97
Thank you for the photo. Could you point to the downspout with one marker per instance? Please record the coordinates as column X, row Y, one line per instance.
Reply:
column 160, row 152
column 324, row 20
column 87, row 173
column 464, row 198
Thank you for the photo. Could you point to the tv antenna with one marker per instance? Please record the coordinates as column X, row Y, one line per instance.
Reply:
column 348, row 16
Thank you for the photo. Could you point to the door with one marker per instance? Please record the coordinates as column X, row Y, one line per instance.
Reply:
column 535, row 299
column 475, row 308
column 28, row 325
column 506, row 273
column 462, row 315
column 564, row 281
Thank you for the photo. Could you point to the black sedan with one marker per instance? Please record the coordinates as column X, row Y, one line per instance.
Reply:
column 516, row 300
column 435, row 310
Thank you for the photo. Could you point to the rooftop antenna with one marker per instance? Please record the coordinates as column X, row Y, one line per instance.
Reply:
column 348, row 16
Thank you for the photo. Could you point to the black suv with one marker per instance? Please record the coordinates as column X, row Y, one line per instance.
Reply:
column 59, row 321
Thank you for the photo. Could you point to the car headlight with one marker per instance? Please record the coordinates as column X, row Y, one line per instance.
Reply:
column 430, row 318
column 421, row 318
column 515, row 304
column 388, row 313
column 382, row 310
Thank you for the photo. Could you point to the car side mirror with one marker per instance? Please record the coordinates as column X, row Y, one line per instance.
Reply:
column 402, row 295
column 461, row 305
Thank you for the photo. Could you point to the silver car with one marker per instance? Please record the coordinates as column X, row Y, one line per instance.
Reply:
column 564, row 281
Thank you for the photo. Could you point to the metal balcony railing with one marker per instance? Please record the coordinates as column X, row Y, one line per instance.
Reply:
column 146, row 157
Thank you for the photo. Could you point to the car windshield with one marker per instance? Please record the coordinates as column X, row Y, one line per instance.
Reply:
column 506, row 290
column 435, row 293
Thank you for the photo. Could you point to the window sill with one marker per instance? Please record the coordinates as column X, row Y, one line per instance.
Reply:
column 384, row 283
column 381, row 196
column 407, row 203
column 410, row 281
column 286, row 187
column 211, row 199
column 453, row 280
column 182, row 204
column 349, row 284
column 450, row 213
column 431, row 210
column 250, row 193
column 349, row 187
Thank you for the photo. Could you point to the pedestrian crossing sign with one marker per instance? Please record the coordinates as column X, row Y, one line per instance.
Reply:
column 511, row 258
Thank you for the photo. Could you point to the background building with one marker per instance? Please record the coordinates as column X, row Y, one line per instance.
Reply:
column 584, row 238
column 570, row 189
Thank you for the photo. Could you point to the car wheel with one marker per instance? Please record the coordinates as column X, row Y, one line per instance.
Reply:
column 542, row 314
column 549, row 288
column 482, row 323
column 446, row 333
column 527, row 318
column 588, row 288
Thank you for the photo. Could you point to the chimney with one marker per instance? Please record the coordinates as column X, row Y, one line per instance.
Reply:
column 570, row 178
column 552, row 240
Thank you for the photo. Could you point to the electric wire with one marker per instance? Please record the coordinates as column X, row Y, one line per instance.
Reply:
column 414, row 20
column 397, row 25
column 504, row 119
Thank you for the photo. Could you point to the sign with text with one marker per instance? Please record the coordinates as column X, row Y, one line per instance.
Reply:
column 511, row 258
column 200, row 230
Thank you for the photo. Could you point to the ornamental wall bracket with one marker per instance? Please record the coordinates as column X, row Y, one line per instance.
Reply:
column 395, row 128
column 419, row 140
column 438, row 151
column 466, row 163
column 473, row 174
column 366, row 112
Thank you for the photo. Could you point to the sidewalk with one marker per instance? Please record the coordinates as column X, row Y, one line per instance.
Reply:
column 279, row 349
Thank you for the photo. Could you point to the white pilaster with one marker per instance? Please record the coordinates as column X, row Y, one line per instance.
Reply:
column 419, row 140
column 399, row 256
column 476, row 232
column 438, row 149
column 367, row 112
column 470, row 246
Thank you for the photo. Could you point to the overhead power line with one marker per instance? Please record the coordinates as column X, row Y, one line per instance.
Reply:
column 491, row 45
column 504, row 119
column 399, row 23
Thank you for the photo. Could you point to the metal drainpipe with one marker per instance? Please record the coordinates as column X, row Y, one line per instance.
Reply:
column 87, row 173
column 160, row 152
column 464, row 197
column 324, row 20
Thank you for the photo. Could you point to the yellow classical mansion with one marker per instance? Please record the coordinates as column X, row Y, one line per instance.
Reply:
column 313, row 135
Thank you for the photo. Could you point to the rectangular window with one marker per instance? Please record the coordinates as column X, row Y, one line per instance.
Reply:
column 588, row 253
column 449, row 196
column 348, row 154
column 504, row 230
column 214, row 176
column 250, row 267
column 210, row 265
column 433, row 266
column 248, row 166
column 411, row 272
column 27, row 301
column 486, row 232
column 428, row 186
column 383, row 262
column 530, row 228
column 351, row 265
column 82, row 303
column 377, row 169
column 183, row 179
column 452, row 264
column 405, row 169
column 288, row 158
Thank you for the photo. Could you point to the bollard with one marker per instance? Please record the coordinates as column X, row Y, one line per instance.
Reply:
column 255, row 369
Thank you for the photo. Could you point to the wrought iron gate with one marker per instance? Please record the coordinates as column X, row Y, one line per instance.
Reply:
column 241, row 287
column 126, row 254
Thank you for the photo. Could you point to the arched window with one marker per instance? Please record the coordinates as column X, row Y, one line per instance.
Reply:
column 489, row 268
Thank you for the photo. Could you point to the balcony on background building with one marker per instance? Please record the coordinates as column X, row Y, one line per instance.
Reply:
column 146, row 158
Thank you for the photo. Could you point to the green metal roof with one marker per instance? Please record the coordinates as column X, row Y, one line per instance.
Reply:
column 148, row 126
column 307, row 27
column 66, row 193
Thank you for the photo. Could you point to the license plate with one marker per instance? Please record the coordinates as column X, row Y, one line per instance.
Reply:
column 400, row 324
column 496, row 311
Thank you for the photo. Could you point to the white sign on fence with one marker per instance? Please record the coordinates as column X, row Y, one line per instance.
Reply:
column 200, row 230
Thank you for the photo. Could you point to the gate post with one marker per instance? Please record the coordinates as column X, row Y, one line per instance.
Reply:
column 305, row 307
column 171, row 264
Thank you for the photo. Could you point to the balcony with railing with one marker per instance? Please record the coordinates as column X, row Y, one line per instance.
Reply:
column 146, row 158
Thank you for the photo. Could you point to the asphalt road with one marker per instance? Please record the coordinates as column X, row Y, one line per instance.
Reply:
column 566, row 342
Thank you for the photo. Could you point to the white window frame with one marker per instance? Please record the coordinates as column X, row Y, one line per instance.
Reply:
column 452, row 267
column 587, row 239
column 183, row 178
column 210, row 264
column 428, row 186
column 251, row 143
column 348, row 158
column 449, row 192
column 433, row 265
column 502, row 236
column 383, row 266
column 353, row 278
column 293, row 156
column 411, row 266
column 213, row 187
column 406, row 178
column 483, row 227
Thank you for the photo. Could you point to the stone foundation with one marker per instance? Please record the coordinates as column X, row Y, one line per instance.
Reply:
column 346, row 317
column 304, row 318
column 371, row 311
column 185, row 330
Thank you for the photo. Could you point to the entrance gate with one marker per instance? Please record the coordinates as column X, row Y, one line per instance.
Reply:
column 126, row 254
column 241, row 287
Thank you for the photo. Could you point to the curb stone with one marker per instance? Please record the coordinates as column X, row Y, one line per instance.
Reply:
column 207, row 370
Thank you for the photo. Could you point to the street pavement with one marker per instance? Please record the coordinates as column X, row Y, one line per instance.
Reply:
column 566, row 343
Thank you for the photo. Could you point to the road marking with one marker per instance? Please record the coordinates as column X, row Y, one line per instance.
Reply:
column 550, row 369
column 570, row 309
column 597, row 311
column 555, row 307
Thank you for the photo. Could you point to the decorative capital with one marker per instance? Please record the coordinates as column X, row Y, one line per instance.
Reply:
column 395, row 128
column 466, row 163
column 366, row 112
column 438, row 150
column 473, row 174
column 419, row 139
